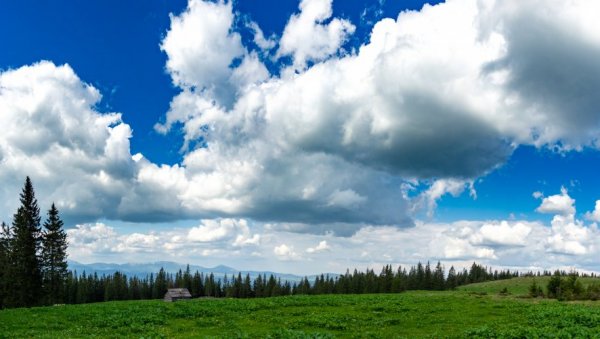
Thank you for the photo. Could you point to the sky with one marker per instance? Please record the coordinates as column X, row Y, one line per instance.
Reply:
column 308, row 136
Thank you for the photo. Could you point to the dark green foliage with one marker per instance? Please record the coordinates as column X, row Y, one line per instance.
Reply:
column 160, row 285
column 5, row 265
column 33, row 266
column 54, row 257
column 438, row 283
column 566, row 287
column 553, row 286
column 535, row 290
column 593, row 291
column 451, row 281
column 87, row 288
column 25, row 273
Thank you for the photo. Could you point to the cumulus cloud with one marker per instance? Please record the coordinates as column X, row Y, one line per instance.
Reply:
column 219, row 238
column 90, row 233
column 285, row 252
column 595, row 214
column 322, row 246
column 513, row 244
column 503, row 234
column 439, row 96
column 76, row 156
column 265, row 44
column 537, row 194
column 438, row 189
column 558, row 99
column 307, row 38
column 200, row 47
column 561, row 204
column 569, row 236
column 456, row 248
column 223, row 229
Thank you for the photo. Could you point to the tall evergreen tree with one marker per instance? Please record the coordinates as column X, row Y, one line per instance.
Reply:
column 25, row 248
column 451, row 281
column 5, row 236
column 54, row 257
column 438, row 277
column 160, row 284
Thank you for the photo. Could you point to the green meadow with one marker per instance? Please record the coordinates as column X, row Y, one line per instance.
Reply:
column 517, row 286
column 475, row 311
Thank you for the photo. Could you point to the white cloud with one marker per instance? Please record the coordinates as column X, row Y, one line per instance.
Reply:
column 437, row 190
column 265, row 44
column 200, row 46
column 220, row 238
column 244, row 240
column 90, row 241
column 215, row 230
column 76, row 156
column 321, row 247
column 502, row 233
column 439, row 96
column 537, row 194
column 456, row 248
column 307, row 38
column 561, row 204
column 236, row 232
column 569, row 236
column 432, row 97
column 595, row 214
column 90, row 233
column 285, row 252
column 513, row 244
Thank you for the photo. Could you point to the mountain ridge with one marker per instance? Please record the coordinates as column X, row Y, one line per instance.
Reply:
column 145, row 269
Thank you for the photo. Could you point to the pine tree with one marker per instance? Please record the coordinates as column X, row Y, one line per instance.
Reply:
column 438, row 277
column 428, row 282
column 54, row 257
column 5, row 236
column 160, row 284
column 26, row 270
column 451, row 282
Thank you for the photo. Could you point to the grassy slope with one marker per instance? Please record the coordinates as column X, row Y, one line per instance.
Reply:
column 411, row 314
column 515, row 286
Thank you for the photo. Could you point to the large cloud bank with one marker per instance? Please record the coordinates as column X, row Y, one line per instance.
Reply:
column 440, row 96
column 565, row 242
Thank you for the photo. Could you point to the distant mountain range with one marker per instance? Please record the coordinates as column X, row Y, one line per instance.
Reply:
column 144, row 269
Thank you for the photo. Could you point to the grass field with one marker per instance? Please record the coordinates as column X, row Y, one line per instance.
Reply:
column 463, row 313
column 516, row 286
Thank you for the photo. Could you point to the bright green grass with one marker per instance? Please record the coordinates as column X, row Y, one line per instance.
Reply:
column 516, row 286
column 410, row 315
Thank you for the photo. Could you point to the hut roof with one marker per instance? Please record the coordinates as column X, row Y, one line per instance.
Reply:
column 178, row 293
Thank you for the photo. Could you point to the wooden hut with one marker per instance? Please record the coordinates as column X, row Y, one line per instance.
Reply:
column 175, row 294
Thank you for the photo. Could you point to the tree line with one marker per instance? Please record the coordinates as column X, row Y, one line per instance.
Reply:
column 85, row 288
column 33, row 260
column 566, row 286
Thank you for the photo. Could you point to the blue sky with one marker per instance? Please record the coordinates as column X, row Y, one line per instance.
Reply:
column 114, row 46
column 420, row 116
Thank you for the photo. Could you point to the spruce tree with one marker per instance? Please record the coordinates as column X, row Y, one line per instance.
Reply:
column 25, row 248
column 160, row 284
column 54, row 257
column 438, row 277
column 5, row 236
column 451, row 282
